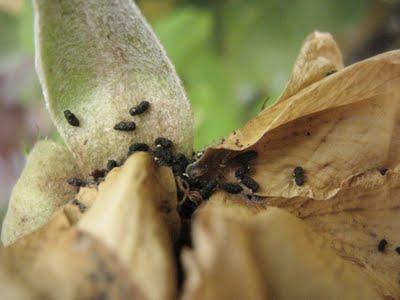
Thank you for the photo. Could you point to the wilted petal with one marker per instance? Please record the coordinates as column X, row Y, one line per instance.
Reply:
column 355, row 236
column 292, row 261
column 13, row 288
column 319, row 57
column 370, row 191
column 371, row 78
column 344, row 132
column 222, row 264
column 333, row 148
column 353, row 222
column 41, row 189
column 335, row 129
column 98, row 59
column 135, row 217
column 59, row 262
column 368, row 145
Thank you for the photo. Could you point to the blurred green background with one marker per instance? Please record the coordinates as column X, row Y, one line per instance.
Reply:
column 232, row 55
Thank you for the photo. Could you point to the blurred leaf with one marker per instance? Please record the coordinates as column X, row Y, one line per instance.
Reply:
column 182, row 33
column 262, row 37
column 25, row 27
column 186, row 35
column 216, row 112
column 8, row 33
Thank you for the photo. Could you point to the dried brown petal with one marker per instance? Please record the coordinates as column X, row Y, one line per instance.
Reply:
column 59, row 262
column 319, row 56
column 292, row 261
column 135, row 217
column 119, row 248
column 222, row 264
column 352, row 222
column 355, row 237
column 355, row 220
column 367, row 80
column 335, row 129
column 342, row 133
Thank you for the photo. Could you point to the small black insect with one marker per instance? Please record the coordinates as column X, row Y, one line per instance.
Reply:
column 138, row 147
column 111, row 164
column 140, row 108
column 245, row 157
column 383, row 171
column 71, row 118
column 207, row 190
column 81, row 206
column 96, row 174
column 125, row 126
column 397, row 250
column 231, row 188
column 298, row 173
column 382, row 245
column 186, row 209
column 250, row 183
column 330, row 72
column 241, row 172
column 194, row 183
column 163, row 156
column 163, row 142
column 76, row 182
column 180, row 162
column 196, row 171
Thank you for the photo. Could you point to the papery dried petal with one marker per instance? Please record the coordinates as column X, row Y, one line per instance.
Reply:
column 293, row 262
column 319, row 57
column 135, row 217
column 59, row 262
column 335, row 129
